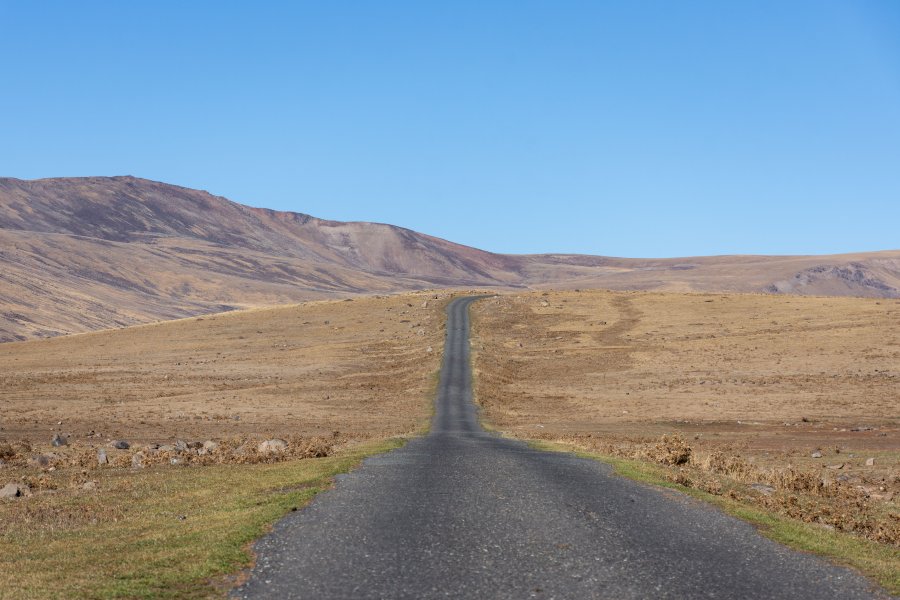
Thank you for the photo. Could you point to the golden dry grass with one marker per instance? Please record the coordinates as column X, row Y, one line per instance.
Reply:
column 335, row 379
column 360, row 367
column 160, row 532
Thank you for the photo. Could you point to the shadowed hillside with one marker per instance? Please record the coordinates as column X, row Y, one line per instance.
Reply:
column 81, row 254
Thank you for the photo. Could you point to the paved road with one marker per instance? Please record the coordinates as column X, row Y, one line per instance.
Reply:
column 465, row 514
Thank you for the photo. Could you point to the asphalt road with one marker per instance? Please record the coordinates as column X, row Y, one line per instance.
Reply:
column 462, row 513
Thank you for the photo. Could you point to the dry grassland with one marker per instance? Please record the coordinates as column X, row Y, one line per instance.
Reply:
column 747, row 389
column 361, row 367
column 168, row 517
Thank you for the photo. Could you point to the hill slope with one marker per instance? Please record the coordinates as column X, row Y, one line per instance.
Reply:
column 80, row 254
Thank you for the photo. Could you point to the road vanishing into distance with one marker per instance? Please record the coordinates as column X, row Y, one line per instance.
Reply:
column 462, row 513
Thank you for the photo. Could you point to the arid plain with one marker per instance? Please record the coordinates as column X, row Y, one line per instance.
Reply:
column 767, row 398
column 781, row 402
column 362, row 367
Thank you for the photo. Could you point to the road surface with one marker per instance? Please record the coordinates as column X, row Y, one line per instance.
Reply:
column 462, row 513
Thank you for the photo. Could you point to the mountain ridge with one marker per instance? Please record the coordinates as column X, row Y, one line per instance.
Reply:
column 79, row 254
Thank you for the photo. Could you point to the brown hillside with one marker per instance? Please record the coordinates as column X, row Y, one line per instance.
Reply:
column 81, row 254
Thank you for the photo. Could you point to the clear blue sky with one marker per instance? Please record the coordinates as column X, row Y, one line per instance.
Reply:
column 619, row 128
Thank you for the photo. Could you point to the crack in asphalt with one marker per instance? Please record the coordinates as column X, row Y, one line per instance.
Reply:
column 462, row 513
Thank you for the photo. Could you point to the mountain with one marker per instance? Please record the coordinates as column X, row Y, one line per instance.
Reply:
column 79, row 254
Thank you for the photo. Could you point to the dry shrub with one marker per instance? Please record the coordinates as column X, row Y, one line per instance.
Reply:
column 797, row 493
column 682, row 479
column 725, row 464
column 7, row 452
column 237, row 450
column 39, row 483
column 83, row 458
column 120, row 461
column 670, row 450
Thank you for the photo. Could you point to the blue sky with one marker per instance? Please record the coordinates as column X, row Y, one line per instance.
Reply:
column 617, row 128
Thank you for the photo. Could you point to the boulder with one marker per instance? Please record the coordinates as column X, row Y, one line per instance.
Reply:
column 120, row 445
column 42, row 461
column 102, row 459
column 210, row 446
column 14, row 490
column 181, row 446
column 89, row 486
column 870, row 462
column 762, row 488
column 137, row 460
column 816, row 454
column 59, row 440
column 274, row 446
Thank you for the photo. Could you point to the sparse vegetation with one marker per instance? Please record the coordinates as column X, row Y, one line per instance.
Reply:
column 801, row 494
column 781, row 409
column 165, row 515
column 160, row 532
column 303, row 370
column 881, row 561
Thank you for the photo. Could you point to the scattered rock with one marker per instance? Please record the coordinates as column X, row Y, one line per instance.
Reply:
column 425, row 304
column 429, row 349
column 195, row 445
column 762, row 488
column 816, row 454
column 59, row 440
column 89, row 486
column 42, row 461
column 181, row 446
column 102, row 459
column 166, row 448
column 14, row 490
column 137, row 460
column 870, row 462
column 544, row 303
column 120, row 445
column 210, row 446
column 837, row 466
column 272, row 446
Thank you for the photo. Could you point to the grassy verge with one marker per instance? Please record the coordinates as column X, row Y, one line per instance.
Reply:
column 157, row 533
column 878, row 561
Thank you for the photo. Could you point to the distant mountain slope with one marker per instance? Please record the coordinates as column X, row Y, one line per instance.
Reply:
column 79, row 254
